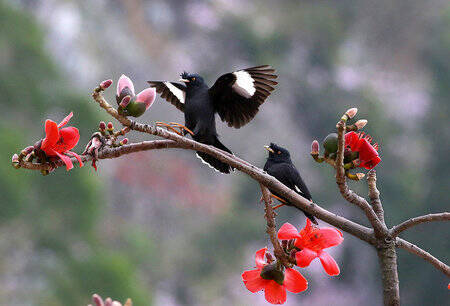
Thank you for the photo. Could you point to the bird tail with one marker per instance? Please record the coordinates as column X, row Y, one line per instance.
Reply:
column 311, row 217
column 214, row 162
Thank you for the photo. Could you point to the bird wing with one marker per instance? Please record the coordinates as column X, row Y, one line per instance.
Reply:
column 238, row 95
column 299, row 185
column 175, row 93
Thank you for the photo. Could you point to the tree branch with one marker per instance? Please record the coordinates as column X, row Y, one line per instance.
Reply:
column 396, row 230
column 348, row 194
column 374, row 195
column 271, row 229
column 106, row 153
column 414, row 249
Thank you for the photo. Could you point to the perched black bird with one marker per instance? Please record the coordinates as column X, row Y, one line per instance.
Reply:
column 235, row 96
column 280, row 166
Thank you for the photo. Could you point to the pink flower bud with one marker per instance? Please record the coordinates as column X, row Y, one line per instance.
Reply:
column 102, row 126
column 15, row 158
column 351, row 112
column 115, row 303
column 146, row 96
column 125, row 101
column 124, row 82
column 361, row 123
column 98, row 301
column 110, row 126
column 315, row 147
column 105, row 84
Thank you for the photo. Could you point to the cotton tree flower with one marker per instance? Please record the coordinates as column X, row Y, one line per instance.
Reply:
column 59, row 141
column 273, row 280
column 362, row 144
column 311, row 241
column 129, row 103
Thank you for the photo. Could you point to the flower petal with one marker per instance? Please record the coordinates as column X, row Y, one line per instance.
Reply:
column 253, row 280
column 146, row 96
column 80, row 162
column 275, row 293
column 327, row 237
column 294, row 281
column 368, row 156
column 304, row 257
column 123, row 82
column 329, row 264
column 51, row 135
column 352, row 140
column 65, row 120
column 66, row 160
column 259, row 258
column 287, row 231
column 69, row 137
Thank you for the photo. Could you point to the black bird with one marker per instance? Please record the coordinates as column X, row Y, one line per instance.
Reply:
column 235, row 96
column 280, row 166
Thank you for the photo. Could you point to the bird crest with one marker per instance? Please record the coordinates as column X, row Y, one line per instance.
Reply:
column 184, row 75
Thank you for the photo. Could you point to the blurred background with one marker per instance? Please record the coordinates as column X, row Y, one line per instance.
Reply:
column 164, row 229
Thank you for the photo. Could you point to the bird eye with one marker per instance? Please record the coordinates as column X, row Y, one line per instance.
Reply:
column 279, row 152
column 193, row 79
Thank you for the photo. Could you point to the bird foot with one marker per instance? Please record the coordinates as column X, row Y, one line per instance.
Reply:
column 278, row 206
column 172, row 126
column 278, row 198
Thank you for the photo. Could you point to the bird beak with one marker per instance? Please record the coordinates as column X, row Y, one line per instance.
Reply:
column 184, row 80
column 269, row 149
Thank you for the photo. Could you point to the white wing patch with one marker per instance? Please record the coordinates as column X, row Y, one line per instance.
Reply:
column 199, row 157
column 244, row 84
column 181, row 95
column 298, row 190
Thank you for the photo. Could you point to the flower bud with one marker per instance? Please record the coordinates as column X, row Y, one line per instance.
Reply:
column 360, row 123
column 98, row 301
column 315, row 147
column 125, row 101
column 15, row 161
column 272, row 272
column 105, row 84
column 360, row 175
column 330, row 143
column 351, row 112
column 110, row 126
column 102, row 126
column 124, row 141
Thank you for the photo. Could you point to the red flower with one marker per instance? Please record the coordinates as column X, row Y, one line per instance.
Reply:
column 275, row 292
column 362, row 143
column 312, row 241
column 58, row 142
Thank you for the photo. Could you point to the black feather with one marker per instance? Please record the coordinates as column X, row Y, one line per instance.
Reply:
column 280, row 166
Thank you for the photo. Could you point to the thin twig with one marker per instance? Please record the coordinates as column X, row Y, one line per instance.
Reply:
column 374, row 195
column 272, row 228
column 348, row 194
column 414, row 249
column 106, row 153
column 396, row 230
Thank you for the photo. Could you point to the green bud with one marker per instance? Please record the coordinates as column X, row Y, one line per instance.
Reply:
column 330, row 143
column 271, row 271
